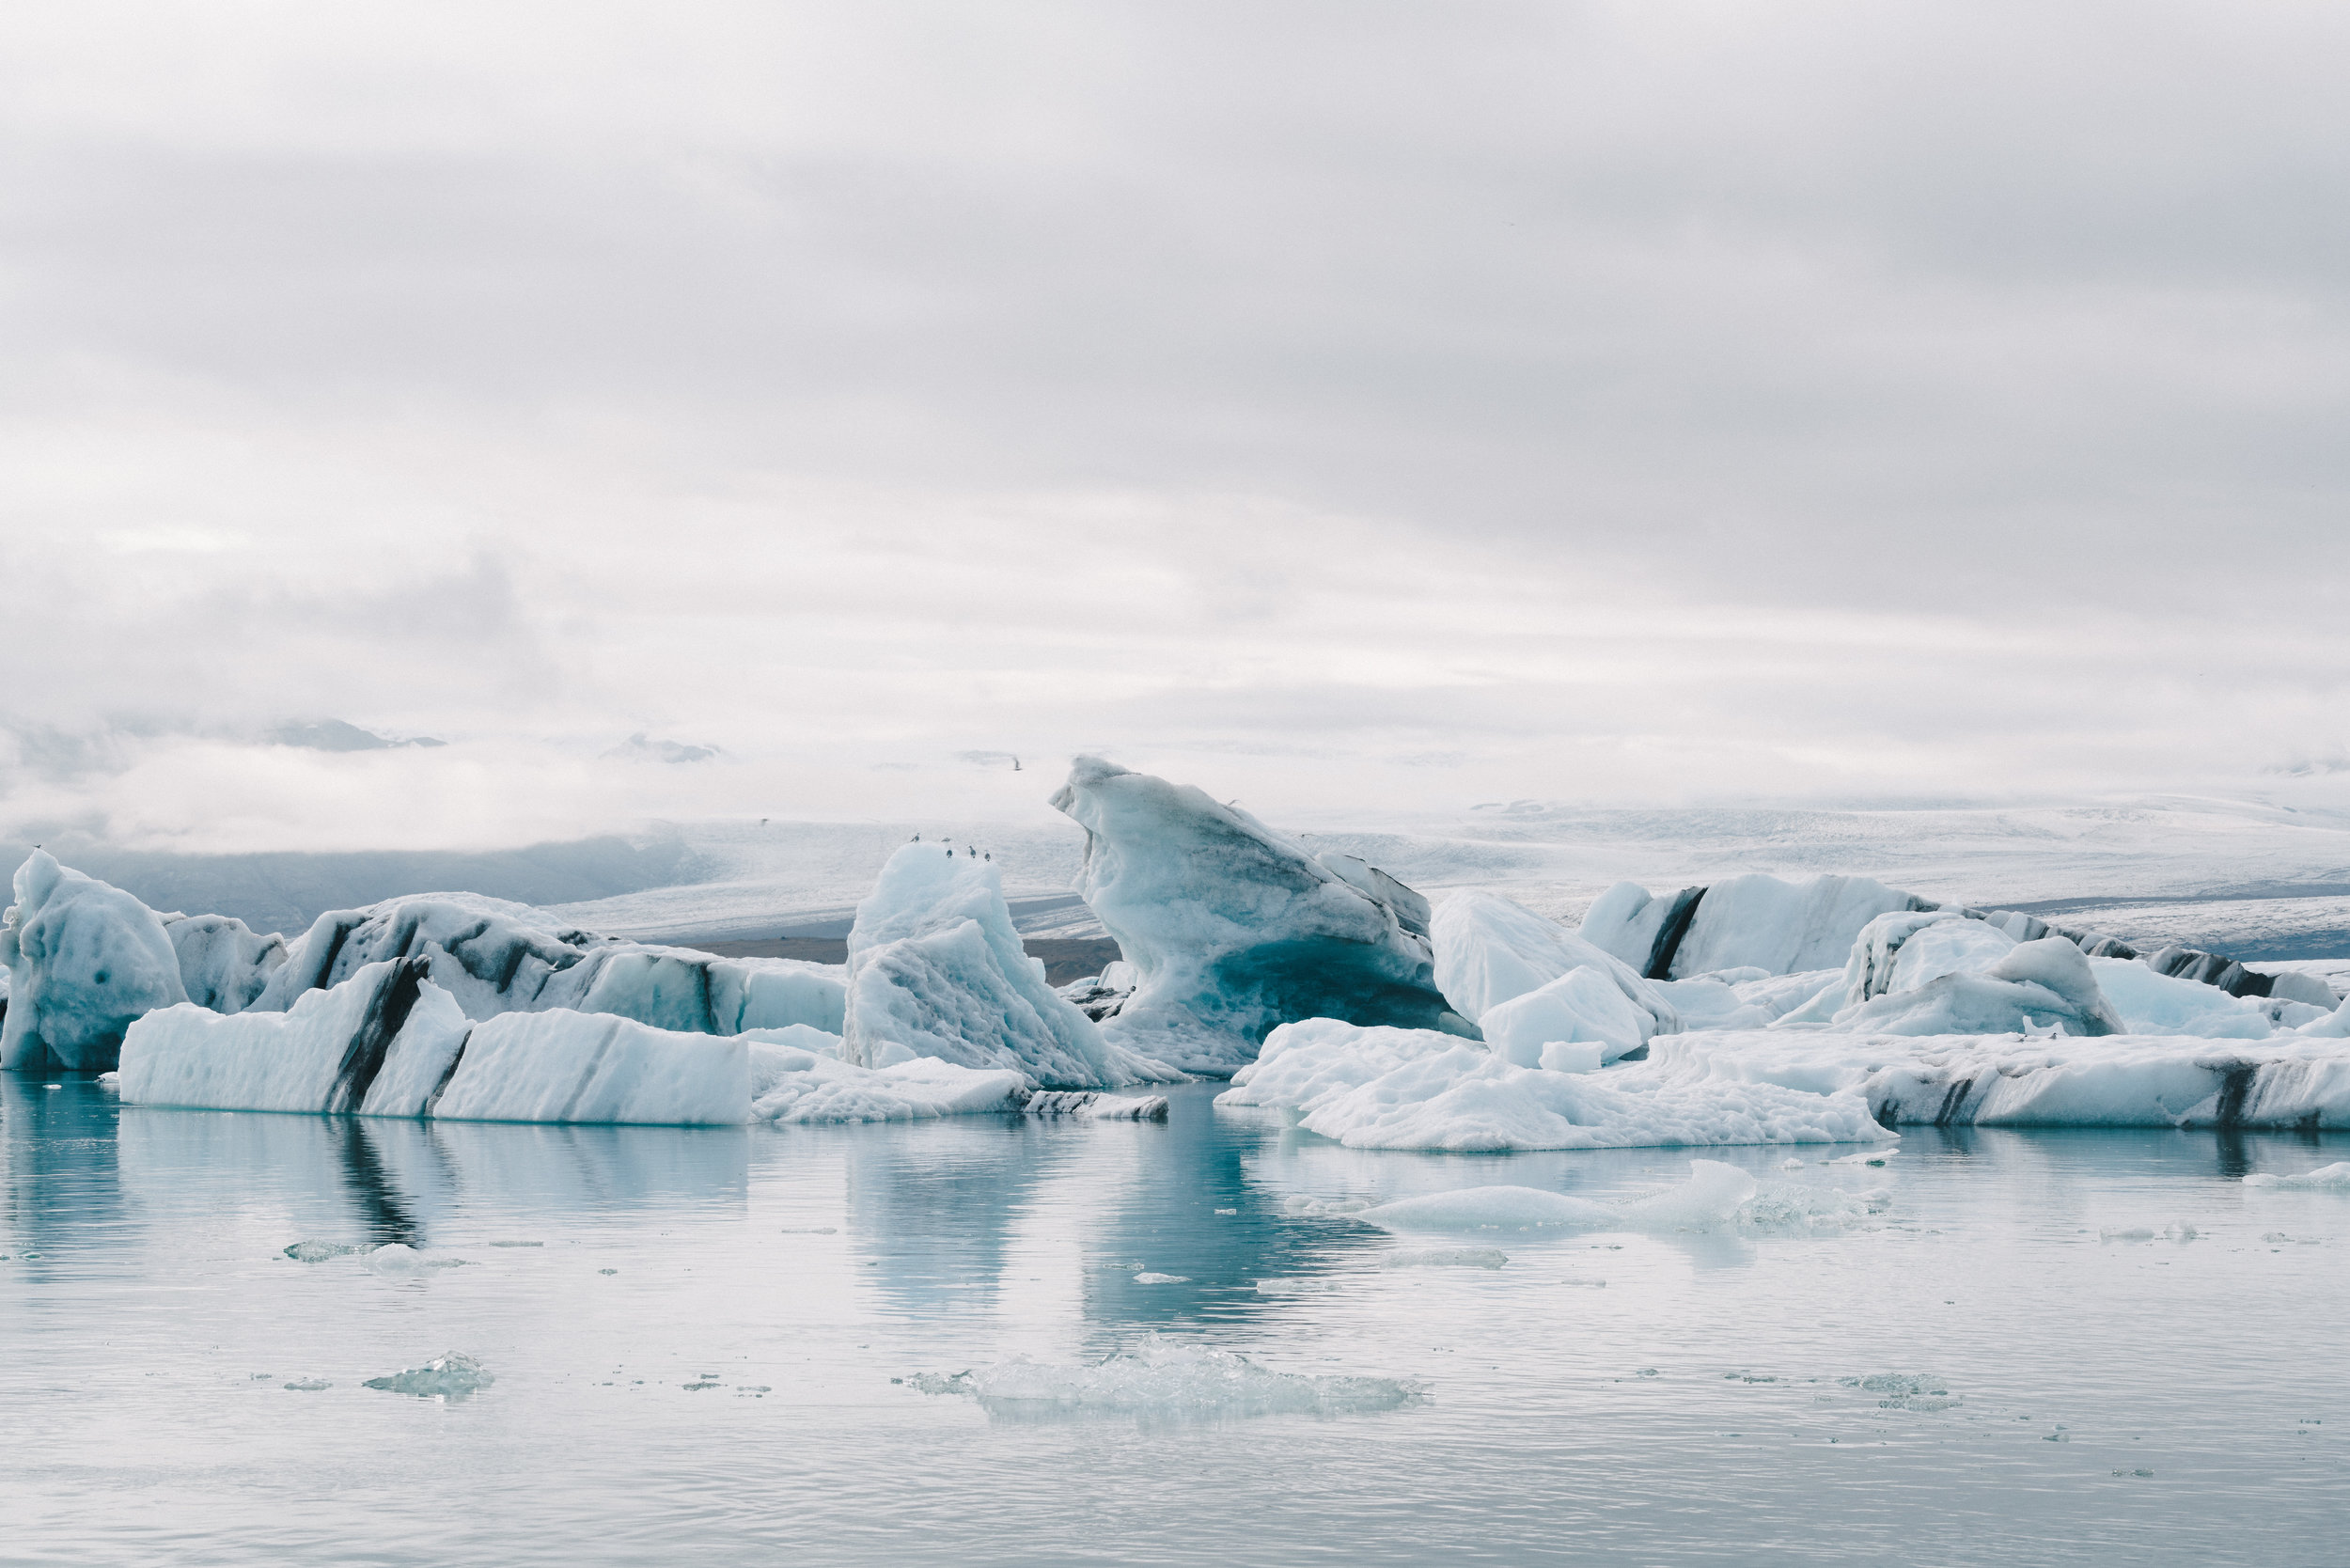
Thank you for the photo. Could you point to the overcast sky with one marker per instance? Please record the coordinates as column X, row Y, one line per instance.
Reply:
column 1350, row 407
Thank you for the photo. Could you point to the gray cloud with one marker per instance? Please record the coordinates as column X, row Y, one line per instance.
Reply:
column 1609, row 398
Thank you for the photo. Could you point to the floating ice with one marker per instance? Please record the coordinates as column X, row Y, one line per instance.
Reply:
column 1753, row 921
column 564, row 1066
column 936, row 966
column 448, row 1378
column 381, row 1043
column 1100, row 1108
column 308, row 1386
column 397, row 1260
column 791, row 1085
column 1148, row 1278
column 1711, row 1197
column 1527, row 982
column 84, row 961
column 2327, row 1178
column 495, row 957
column 318, row 1251
column 1902, row 1391
column 1445, row 1257
column 1415, row 1088
column 1233, row 928
column 2032, row 986
column 1167, row 1379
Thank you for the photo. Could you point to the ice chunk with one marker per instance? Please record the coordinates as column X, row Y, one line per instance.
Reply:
column 318, row 1251
column 399, row 1260
column 2328, row 1178
column 224, row 965
column 1492, row 950
column 1907, row 949
column 1100, row 1108
column 1445, row 1257
column 84, row 961
column 794, row 1085
column 380, row 1043
column 1711, row 1197
column 1744, row 921
column 1234, row 929
column 449, row 1377
column 2035, row 986
column 936, row 966
column 1404, row 1088
column 1148, row 1279
column 1584, row 1006
column 1166, row 1378
column 2150, row 1002
column 495, row 957
column 2061, row 1081
column 308, row 1386
column 566, row 1066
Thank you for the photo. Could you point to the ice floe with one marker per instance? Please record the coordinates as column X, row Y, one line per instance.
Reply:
column 1407, row 1088
column 1527, row 982
column 1233, row 929
column 2326, row 1178
column 1167, row 1379
column 448, row 1378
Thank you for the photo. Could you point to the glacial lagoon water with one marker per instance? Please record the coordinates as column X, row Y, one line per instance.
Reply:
column 741, row 1345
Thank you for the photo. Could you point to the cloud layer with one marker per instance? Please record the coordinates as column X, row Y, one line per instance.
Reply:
column 1371, row 407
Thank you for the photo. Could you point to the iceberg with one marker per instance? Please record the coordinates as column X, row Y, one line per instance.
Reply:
column 1744, row 922
column 2033, row 986
column 797, row 1084
column 566, row 1066
column 1417, row 1089
column 84, row 961
column 2118, row 1080
column 224, row 965
column 1527, row 981
column 495, row 957
column 381, row 1043
column 936, row 969
column 1233, row 929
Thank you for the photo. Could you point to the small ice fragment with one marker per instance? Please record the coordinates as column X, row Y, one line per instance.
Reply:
column 317, row 1251
column 2142, row 1474
column 1791, row 1165
column 1165, row 1378
column 2335, row 1177
column 308, row 1384
column 2180, row 1232
column 2127, row 1233
column 1323, row 1208
column 759, row 1387
column 2274, row 1236
column 1147, row 1278
column 1445, row 1257
column 707, row 1384
column 811, row 1229
column 452, row 1376
column 1291, row 1287
column 261, row 1377
column 399, row 1261
column 607, row 1271
column 2059, row 1435
column 1647, row 1372
column 1228, row 1211
column 1867, row 1157
column 52, row 1085
column 518, row 1244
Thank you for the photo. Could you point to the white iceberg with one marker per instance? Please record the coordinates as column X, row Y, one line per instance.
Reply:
column 2326, row 1178
column 2032, row 986
column 2125, row 1080
column 1417, row 1088
column 798, row 1085
column 565, row 1066
column 1527, row 981
column 936, row 968
column 381, row 1043
column 84, row 961
column 1233, row 929
column 1744, row 921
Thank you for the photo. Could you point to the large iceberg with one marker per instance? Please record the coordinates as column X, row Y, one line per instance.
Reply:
column 1752, row 921
column 2029, row 987
column 495, row 957
column 936, row 968
column 1417, row 1088
column 1233, row 928
column 84, row 961
column 1527, row 982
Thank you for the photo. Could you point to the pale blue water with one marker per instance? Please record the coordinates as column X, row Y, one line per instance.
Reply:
column 148, row 1321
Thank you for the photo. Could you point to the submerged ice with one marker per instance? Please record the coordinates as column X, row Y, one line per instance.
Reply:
column 1167, row 1379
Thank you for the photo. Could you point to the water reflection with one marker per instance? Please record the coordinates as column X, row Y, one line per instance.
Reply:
column 59, row 1155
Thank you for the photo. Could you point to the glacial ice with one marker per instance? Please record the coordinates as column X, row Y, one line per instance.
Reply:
column 452, row 1376
column 224, row 965
column 1713, row 1196
column 935, row 966
column 84, row 961
column 2326, row 1178
column 565, row 1066
column 1415, row 1088
column 1493, row 951
column 2125, row 1080
column 1743, row 921
column 381, row 1043
column 2035, row 985
column 1234, row 929
column 1166, row 1378
column 495, row 957
column 800, row 1086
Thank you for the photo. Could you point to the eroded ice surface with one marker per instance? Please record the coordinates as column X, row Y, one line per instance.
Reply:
column 85, row 960
column 1233, row 928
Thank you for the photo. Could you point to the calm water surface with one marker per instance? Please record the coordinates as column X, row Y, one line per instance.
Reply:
column 695, row 1361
